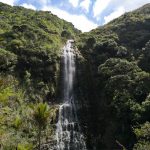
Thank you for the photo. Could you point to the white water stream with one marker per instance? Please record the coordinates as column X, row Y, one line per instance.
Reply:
column 68, row 132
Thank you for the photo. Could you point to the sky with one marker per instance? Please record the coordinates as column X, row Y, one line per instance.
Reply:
column 85, row 15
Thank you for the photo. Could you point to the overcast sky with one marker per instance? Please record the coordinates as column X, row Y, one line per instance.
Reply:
column 84, row 14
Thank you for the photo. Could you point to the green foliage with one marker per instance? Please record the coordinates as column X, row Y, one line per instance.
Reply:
column 8, row 60
column 112, row 71
column 17, row 122
column 31, row 41
column 144, row 58
column 143, row 136
column 114, row 80
column 41, row 113
column 66, row 34
column 30, row 50
column 19, row 119
column 25, row 147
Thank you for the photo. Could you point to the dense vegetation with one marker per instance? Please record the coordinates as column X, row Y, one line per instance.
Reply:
column 114, row 80
column 19, row 118
column 30, row 43
column 30, row 50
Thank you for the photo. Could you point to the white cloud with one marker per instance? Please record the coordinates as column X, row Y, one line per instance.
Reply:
column 43, row 2
column 116, row 6
column 99, row 6
column 117, row 13
column 29, row 6
column 9, row 2
column 81, row 22
column 85, row 4
column 130, row 5
column 134, row 4
column 74, row 2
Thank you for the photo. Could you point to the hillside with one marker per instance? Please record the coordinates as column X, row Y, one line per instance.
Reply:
column 114, row 76
column 30, row 50
column 31, row 42
column 109, row 85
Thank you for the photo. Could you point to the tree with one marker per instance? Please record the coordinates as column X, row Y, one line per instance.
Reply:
column 144, row 59
column 41, row 113
column 66, row 34
column 143, row 136
column 90, row 42
column 8, row 60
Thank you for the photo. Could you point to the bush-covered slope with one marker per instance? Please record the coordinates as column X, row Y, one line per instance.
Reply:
column 30, row 43
column 114, row 80
column 30, row 50
column 113, row 72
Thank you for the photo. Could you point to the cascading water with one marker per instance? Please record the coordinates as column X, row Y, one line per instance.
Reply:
column 68, row 132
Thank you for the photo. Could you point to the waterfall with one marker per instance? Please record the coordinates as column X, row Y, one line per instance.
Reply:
column 68, row 131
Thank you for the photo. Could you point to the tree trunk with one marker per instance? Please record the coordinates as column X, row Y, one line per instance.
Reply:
column 39, row 137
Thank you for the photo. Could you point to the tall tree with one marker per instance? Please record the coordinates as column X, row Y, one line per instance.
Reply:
column 41, row 113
